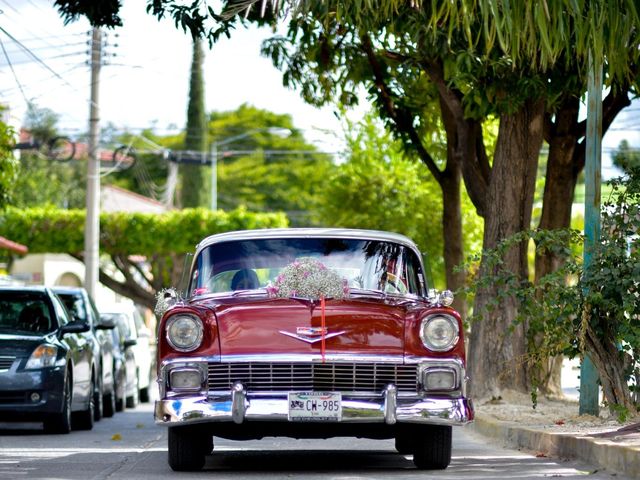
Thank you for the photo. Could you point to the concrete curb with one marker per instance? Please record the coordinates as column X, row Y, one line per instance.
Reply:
column 606, row 453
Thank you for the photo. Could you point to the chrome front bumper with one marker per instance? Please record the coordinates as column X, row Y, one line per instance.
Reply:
column 240, row 407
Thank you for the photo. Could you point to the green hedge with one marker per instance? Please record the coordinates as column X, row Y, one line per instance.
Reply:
column 55, row 231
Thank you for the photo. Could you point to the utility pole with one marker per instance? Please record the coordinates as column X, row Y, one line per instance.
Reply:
column 92, row 223
column 589, row 389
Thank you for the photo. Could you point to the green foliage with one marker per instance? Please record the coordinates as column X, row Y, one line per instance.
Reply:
column 577, row 311
column 41, row 123
column 42, row 181
column 269, row 178
column 8, row 165
column 379, row 188
column 52, row 230
column 626, row 158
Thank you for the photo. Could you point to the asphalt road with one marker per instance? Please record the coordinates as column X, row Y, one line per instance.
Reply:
column 129, row 446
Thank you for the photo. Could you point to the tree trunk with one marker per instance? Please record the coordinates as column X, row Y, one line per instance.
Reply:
column 559, row 187
column 450, row 183
column 497, row 347
column 453, row 242
column 611, row 366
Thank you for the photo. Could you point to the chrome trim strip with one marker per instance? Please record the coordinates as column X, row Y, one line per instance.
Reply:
column 390, row 404
column 274, row 233
column 313, row 357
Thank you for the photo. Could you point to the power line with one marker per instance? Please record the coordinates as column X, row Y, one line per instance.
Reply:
column 35, row 56
column 14, row 73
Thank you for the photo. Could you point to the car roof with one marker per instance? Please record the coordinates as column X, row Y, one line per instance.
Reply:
column 25, row 288
column 63, row 289
column 122, row 307
column 350, row 233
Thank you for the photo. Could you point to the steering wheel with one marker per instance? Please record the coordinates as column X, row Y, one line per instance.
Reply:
column 394, row 284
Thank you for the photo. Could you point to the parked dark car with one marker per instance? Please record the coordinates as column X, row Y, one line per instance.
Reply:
column 46, row 362
column 124, row 360
column 83, row 309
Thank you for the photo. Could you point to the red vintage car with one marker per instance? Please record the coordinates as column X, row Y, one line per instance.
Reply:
column 310, row 333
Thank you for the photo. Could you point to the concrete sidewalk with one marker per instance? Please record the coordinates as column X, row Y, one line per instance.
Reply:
column 617, row 450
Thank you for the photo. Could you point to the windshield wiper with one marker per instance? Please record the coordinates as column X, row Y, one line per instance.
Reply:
column 366, row 292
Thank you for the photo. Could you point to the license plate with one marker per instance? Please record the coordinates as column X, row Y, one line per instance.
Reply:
column 315, row 406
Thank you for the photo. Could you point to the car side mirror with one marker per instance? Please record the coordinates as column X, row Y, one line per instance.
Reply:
column 74, row 327
column 106, row 323
column 130, row 343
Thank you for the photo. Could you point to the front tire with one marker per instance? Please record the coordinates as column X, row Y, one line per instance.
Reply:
column 144, row 395
column 98, row 403
column 188, row 449
column 432, row 447
column 132, row 400
column 84, row 419
column 109, row 400
column 61, row 422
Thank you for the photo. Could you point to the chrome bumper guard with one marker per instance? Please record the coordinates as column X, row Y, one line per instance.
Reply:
column 239, row 407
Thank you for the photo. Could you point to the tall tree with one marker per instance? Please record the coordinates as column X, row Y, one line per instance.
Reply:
column 193, row 191
column 626, row 158
column 265, row 164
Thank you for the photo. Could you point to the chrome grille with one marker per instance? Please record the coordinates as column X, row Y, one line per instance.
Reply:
column 336, row 377
column 5, row 363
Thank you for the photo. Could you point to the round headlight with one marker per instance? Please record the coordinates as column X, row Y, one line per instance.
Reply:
column 439, row 332
column 184, row 332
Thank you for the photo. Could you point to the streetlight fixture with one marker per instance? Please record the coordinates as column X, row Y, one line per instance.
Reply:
column 282, row 132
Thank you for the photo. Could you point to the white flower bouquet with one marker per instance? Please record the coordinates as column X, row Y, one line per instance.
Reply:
column 307, row 277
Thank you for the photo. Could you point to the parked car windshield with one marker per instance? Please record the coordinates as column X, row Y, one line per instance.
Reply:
column 364, row 264
column 26, row 313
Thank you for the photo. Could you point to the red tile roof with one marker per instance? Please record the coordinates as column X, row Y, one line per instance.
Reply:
column 13, row 246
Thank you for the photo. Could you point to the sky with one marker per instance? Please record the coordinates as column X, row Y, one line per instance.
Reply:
column 146, row 81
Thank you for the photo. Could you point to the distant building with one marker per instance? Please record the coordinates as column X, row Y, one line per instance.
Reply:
column 116, row 199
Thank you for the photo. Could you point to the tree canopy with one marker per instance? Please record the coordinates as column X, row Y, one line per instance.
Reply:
column 537, row 33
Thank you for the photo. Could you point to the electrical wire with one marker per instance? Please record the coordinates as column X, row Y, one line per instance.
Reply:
column 35, row 57
column 15, row 76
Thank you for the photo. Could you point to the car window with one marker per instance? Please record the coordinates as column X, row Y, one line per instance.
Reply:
column 26, row 313
column 61, row 311
column 75, row 306
column 93, row 312
column 123, row 325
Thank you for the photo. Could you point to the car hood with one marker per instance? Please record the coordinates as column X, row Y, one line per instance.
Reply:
column 19, row 345
column 294, row 326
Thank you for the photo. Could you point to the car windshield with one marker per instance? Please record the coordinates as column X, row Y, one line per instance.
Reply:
column 26, row 313
column 362, row 264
